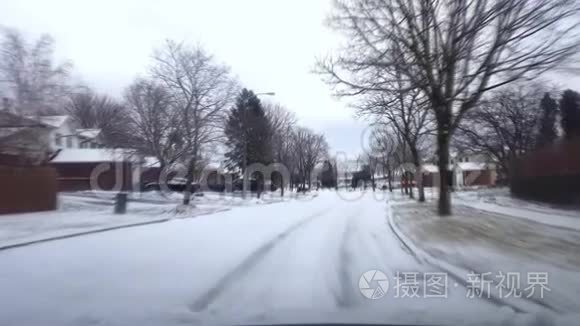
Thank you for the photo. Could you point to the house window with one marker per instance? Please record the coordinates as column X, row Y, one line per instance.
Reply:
column 58, row 140
column 69, row 142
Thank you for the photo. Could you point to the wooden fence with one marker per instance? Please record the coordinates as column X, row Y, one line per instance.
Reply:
column 27, row 189
column 550, row 174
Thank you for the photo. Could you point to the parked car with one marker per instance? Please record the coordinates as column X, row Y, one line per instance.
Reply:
column 175, row 184
column 238, row 185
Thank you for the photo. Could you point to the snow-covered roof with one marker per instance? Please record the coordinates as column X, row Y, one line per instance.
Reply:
column 151, row 162
column 471, row 166
column 88, row 133
column 430, row 168
column 94, row 155
column 53, row 120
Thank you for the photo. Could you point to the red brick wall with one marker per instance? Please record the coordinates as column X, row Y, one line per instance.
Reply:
column 27, row 189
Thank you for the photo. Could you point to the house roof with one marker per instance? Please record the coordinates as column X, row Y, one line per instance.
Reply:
column 430, row 168
column 94, row 155
column 151, row 162
column 88, row 133
column 53, row 120
column 471, row 166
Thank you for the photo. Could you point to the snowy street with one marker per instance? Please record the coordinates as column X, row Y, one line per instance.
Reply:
column 285, row 262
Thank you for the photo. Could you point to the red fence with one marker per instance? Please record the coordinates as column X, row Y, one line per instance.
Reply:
column 550, row 174
column 27, row 189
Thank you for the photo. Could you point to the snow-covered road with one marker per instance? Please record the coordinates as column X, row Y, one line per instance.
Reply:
column 287, row 262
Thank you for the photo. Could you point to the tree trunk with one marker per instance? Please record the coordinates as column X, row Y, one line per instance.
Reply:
column 411, row 178
column 189, row 181
column 281, row 186
column 390, row 180
column 444, row 204
column 420, row 186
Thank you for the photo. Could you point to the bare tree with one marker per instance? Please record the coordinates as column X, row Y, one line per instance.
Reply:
column 405, row 113
column 505, row 125
column 311, row 149
column 453, row 51
column 29, row 74
column 201, row 90
column 91, row 110
column 384, row 147
column 154, row 125
column 283, row 123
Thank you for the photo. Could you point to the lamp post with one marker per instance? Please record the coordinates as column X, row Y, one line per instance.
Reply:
column 245, row 156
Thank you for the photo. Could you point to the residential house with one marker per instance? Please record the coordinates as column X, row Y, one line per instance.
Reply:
column 97, row 169
column 466, row 171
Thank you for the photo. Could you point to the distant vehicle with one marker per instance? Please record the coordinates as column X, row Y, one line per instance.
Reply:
column 175, row 184
column 303, row 189
column 238, row 185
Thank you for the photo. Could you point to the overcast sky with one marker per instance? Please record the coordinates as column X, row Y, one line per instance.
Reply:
column 271, row 45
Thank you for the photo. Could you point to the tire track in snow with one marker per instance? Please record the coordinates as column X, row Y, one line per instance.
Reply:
column 347, row 296
column 203, row 302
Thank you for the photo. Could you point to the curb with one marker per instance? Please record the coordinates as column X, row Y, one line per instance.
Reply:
column 455, row 272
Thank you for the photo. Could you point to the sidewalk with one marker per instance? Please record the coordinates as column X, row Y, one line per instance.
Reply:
column 83, row 213
column 77, row 215
column 499, row 201
column 474, row 241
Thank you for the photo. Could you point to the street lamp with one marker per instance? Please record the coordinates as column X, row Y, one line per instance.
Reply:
column 245, row 165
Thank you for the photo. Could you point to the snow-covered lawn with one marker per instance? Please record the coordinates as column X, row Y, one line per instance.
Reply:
column 293, row 261
column 485, row 242
column 500, row 201
column 92, row 211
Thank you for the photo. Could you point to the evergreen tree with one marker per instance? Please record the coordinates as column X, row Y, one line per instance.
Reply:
column 248, row 133
column 570, row 108
column 328, row 175
column 547, row 133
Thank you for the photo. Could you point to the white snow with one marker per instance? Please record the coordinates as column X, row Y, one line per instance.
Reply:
column 430, row 168
column 499, row 201
column 94, row 155
column 297, row 260
column 471, row 166
column 81, row 212
column 52, row 120
column 88, row 133
column 151, row 162
column 485, row 241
